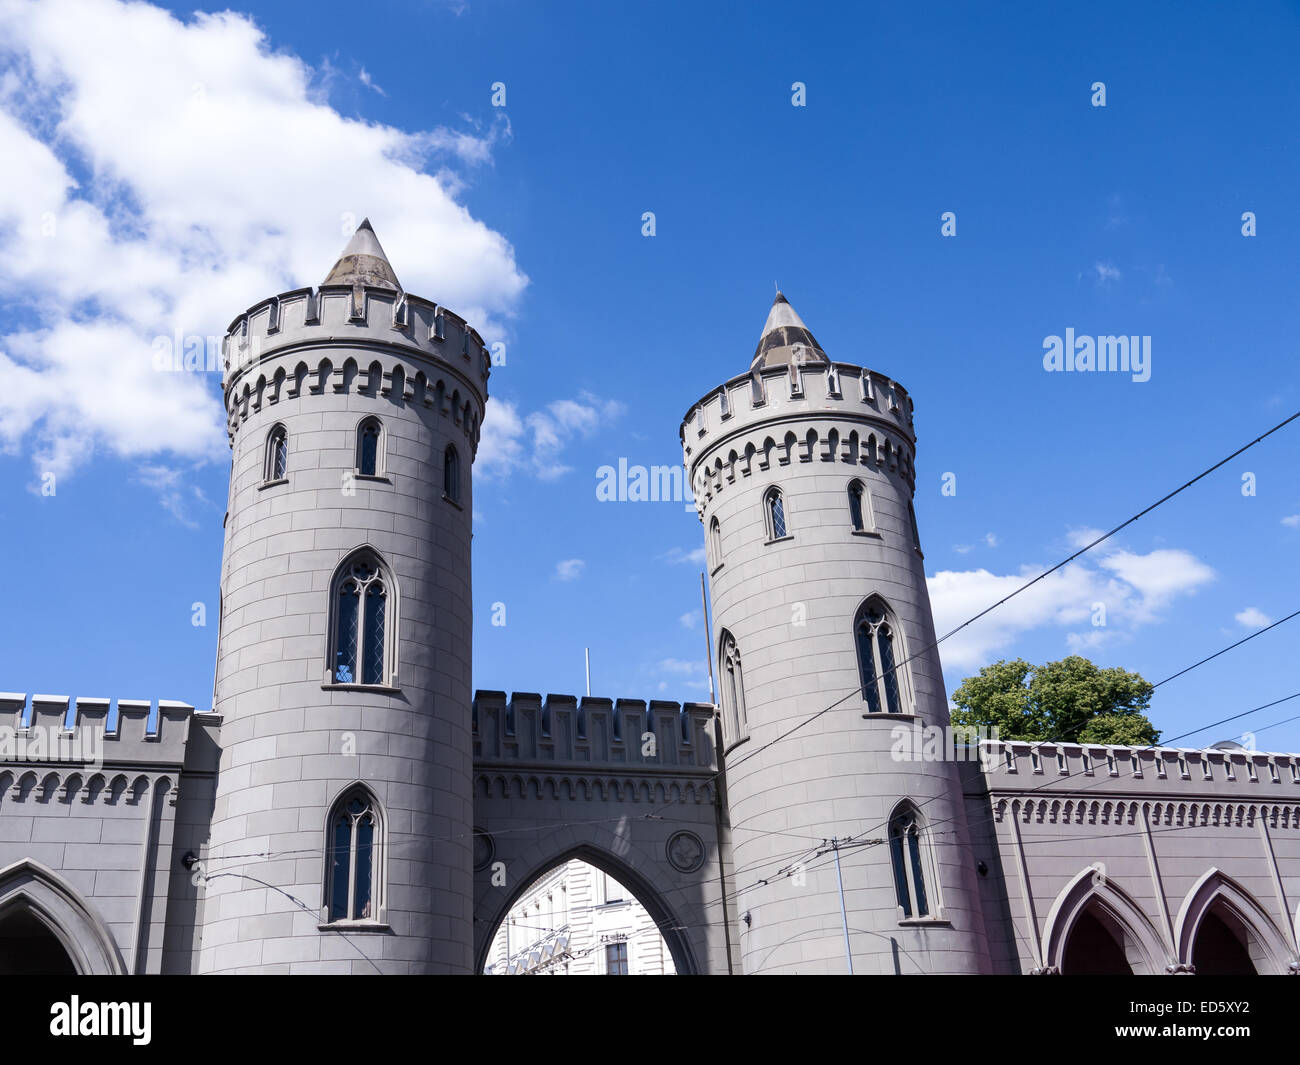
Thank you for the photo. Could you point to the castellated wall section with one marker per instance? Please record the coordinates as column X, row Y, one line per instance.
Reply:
column 297, row 741
column 372, row 340
column 630, row 787
column 1156, row 837
column 94, row 823
column 787, row 605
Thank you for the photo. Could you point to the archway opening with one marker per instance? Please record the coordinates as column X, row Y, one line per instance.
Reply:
column 29, row 948
column 575, row 919
column 1094, row 948
column 1220, row 949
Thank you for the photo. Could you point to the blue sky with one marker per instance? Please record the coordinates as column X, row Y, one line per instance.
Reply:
column 190, row 166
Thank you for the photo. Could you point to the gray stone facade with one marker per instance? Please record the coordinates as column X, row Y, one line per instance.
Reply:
column 350, row 805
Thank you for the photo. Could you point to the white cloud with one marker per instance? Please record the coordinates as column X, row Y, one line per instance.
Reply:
column 1106, row 272
column 163, row 175
column 534, row 443
column 1292, row 521
column 570, row 569
column 1133, row 588
column 678, row 556
column 690, row 619
column 176, row 497
column 1253, row 618
column 965, row 549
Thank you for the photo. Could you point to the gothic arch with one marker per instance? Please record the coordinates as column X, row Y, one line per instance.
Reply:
column 27, row 885
column 1217, row 890
column 669, row 927
column 1090, row 890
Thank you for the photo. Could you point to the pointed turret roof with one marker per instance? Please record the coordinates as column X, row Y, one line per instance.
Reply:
column 363, row 262
column 786, row 339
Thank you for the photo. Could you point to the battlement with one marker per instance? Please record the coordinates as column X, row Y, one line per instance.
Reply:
column 837, row 389
column 565, row 730
column 1180, row 781
column 43, row 731
column 736, row 431
column 358, row 316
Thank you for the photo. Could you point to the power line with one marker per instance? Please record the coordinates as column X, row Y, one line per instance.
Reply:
column 1225, row 650
column 1029, row 584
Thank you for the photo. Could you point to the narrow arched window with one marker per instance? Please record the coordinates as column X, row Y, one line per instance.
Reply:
column 735, row 723
column 277, row 454
column 370, row 453
column 907, row 855
column 352, row 858
column 884, row 680
column 860, row 507
column 451, row 474
column 361, row 609
column 715, row 542
column 916, row 533
column 774, row 506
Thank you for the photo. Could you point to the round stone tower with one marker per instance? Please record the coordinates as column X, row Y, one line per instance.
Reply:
column 341, row 835
column 803, row 476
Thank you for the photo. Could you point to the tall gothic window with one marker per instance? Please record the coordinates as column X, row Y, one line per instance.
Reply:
column 916, row 533
column 860, row 507
column 774, row 507
column 907, row 854
column 361, row 609
column 370, row 455
column 277, row 454
column 884, row 681
column 735, row 721
column 451, row 474
column 352, row 858
column 715, row 542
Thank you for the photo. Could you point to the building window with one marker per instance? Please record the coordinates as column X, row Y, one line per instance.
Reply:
column 277, row 454
column 906, row 855
column 370, row 451
column 616, row 959
column 884, row 681
column 715, row 542
column 774, row 508
column 735, row 722
column 361, row 623
column 451, row 474
column 860, row 514
column 352, row 858
column 916, row 533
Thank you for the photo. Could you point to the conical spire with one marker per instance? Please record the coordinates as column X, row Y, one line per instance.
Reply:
column 786, row 339
column 363, row 262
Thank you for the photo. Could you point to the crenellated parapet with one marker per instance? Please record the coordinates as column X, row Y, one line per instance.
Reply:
column 564, row 729
column 343, row 339
column 42, row 731
column 592, row 748
column 1065, row 783
column 769, row 418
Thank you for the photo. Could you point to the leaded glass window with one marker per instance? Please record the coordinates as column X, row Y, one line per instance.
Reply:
column 354, row 832
column 883, row 679
column 360, row 630
column 277, row 455
column 775, row 514
column 906, row 852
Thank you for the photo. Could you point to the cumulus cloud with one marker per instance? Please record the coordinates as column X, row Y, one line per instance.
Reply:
column 1253, row 618
column 570, row 569
column 1292, row 521
column 1131, row 589
column 534, row 443
column 690, row 619
column 161, row 176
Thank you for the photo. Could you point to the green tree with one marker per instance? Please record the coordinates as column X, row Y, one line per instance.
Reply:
column 1070, row 701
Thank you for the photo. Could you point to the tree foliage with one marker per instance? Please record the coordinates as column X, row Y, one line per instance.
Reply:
column 1070, row 701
